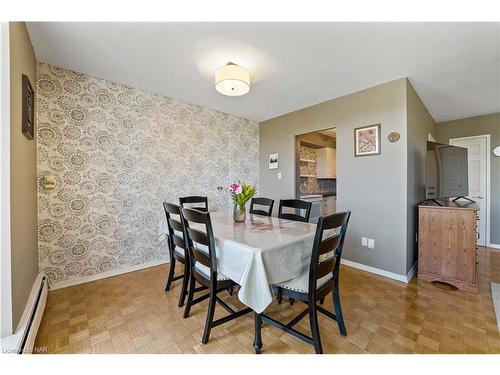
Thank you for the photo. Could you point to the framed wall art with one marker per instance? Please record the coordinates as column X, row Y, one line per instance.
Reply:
column 367, row 140
column 273, row 161
column 28, row 108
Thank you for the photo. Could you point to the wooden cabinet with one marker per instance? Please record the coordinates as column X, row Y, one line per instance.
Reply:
column 328, row 205
column 447, row 244
column 326, row 163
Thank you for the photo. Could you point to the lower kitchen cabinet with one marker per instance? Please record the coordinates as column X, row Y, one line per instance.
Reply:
column 328, row 205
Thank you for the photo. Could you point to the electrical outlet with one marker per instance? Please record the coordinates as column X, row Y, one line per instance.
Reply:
column 371, row 243
column 279, row 175
column 364, row 241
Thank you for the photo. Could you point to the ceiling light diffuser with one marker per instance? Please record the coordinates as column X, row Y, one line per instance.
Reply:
column 232, row 80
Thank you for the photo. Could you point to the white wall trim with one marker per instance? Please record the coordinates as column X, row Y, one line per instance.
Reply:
column 5, row 256
column 104, row 275
column 488, row 180
column 377, row 271
column 35, row 311
column 12, row 344
column 494, row 246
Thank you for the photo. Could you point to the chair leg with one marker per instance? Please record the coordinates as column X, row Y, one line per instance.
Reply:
column 210, row 315
column 185, row 282
column 338, row 309
column 171, row 273
column 322, row 301
column 279, row 298
column 192, row 286
column 313, row 319
column 291, row 300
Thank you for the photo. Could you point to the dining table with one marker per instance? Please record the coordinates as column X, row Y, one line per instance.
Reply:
column 259, row 252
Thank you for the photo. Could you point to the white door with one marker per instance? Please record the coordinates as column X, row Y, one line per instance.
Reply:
column 477, row 156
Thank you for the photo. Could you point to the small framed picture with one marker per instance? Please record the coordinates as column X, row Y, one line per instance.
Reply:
column 273, row 161
column 28, row 108
column 367, row 140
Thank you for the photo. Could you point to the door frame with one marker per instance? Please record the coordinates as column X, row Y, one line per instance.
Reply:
column 488, row 179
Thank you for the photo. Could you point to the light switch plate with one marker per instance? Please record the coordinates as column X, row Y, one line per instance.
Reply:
column 279, row 175
column 371, row 243
column 364, row 241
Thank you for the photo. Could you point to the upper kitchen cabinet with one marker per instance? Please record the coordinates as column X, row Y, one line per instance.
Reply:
column 326, row 162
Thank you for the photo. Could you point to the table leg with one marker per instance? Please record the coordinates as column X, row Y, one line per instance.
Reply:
column 257, row 343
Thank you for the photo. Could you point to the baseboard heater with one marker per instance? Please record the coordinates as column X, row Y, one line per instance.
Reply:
column 32, row 316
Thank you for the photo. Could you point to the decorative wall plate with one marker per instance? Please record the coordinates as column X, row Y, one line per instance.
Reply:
column 393, row 137
column 496, row 151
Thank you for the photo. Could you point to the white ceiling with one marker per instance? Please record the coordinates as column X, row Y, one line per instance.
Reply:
column 455, row 67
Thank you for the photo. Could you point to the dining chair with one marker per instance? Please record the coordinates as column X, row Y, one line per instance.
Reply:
column 296, row 204
column 177, row 249
column 264, row 202
column 194, row 202
column 204, row 270
column 320, row 279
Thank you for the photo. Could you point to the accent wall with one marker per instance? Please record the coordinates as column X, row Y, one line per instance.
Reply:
column 116, row 153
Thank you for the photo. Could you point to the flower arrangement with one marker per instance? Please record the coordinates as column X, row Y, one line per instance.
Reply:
column 241, row 192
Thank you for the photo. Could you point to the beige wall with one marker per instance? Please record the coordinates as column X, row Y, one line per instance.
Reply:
column 468, row 127
column 23, row 192
column 374, row 188
column 420, row 125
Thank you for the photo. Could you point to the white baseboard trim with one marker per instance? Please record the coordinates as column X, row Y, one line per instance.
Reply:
column 494, row 246
column 104, row 275
column 28, row 328
column 377, row 271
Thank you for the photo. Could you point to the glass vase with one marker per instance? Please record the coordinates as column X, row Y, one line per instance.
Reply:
column 239, row 213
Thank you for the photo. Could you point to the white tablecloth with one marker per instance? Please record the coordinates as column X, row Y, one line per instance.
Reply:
column 260, row 252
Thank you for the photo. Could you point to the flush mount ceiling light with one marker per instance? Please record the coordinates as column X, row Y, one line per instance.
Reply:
column 232, row 80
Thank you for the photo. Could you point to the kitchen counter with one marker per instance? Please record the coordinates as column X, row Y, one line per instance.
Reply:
column 325, row 193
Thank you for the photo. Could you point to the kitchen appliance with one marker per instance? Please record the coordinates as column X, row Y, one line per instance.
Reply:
column 315, row 200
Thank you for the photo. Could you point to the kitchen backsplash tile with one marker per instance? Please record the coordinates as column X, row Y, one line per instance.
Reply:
column 310, row 185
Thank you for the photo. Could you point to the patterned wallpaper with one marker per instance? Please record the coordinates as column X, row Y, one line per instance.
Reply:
column 117, row 153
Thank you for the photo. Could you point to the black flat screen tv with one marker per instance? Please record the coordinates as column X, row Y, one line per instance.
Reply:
column 446, row 171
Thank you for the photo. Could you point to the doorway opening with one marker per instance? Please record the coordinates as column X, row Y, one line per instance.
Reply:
column 316, row 171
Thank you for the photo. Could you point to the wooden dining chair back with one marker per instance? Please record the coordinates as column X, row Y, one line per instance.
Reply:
column 177, row 248
column 201, row 241
column 327, row 251
column 295, row 204
column 265, row 206
column 201, row 244
column 321, row 278
column 194, row 201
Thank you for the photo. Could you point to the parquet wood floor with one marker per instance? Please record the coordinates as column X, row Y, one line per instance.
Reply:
column 131, row 313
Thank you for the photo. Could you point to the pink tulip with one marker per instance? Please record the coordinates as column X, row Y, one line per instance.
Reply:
column 236, row 188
